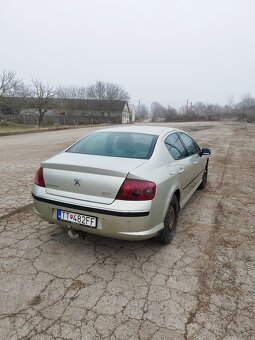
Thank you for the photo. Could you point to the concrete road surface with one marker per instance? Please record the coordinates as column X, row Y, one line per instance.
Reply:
column 202, row 286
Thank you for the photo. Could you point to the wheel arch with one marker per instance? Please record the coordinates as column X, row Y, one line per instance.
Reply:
column 177, row 193
column 174, row 192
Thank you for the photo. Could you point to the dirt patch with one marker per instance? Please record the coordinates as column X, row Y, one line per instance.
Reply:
column 36, row 300
column 201, row 127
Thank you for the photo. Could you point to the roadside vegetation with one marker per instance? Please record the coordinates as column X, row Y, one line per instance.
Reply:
column 192, row 112
column 8, row 128
column 39, row 99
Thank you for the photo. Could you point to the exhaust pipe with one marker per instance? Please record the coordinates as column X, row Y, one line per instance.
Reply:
column 75, row 234
column 72, row 233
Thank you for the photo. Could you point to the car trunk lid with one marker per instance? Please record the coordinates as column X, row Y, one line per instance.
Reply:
column 87, row 177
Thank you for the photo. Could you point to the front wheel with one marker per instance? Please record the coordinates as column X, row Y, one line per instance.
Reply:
column 170, row 222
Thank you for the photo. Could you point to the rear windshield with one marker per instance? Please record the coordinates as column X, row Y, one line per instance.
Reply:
column 116, row 144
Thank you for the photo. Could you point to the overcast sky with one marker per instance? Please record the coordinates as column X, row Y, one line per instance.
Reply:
column 158, row 50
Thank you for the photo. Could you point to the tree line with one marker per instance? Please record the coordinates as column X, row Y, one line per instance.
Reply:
column 242, row 110
column 41, row 97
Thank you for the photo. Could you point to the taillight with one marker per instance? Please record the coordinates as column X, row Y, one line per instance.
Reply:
column 39, row 178
column 136, row 190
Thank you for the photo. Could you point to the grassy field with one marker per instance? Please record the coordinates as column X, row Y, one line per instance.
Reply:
column 7, row 128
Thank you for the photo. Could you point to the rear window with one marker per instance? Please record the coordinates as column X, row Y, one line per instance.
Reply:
column 116, row 144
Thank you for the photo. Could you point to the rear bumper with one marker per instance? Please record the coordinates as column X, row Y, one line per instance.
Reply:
column 128, row 224
column 91, row 209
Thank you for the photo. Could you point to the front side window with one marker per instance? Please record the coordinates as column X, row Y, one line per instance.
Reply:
column 189, row 143
column 116, row 144
column 175, row 146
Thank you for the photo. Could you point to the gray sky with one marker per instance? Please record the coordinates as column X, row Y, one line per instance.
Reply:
column 159, row 50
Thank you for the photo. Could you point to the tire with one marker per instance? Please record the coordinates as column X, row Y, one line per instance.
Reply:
column 170, row 222
column 204, row 178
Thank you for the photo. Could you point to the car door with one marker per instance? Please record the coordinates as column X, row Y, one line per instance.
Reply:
column 194, row 159
column 181, row 165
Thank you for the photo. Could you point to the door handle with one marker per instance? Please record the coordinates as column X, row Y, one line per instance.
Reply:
column 195, row 162
column 181, row 170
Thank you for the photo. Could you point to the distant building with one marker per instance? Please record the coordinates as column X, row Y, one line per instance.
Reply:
column 88, row 110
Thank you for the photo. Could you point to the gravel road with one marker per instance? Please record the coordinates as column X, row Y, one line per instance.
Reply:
column 202, row 286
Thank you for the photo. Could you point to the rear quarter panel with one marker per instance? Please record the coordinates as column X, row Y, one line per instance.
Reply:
column 156, row 170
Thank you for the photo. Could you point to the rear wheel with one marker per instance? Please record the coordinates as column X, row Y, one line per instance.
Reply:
column 170, row 222
column 204, row 178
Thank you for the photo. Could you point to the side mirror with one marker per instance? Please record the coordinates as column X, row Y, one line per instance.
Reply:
column 205, row 152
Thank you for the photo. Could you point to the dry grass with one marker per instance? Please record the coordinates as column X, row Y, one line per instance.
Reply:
column 7, row 128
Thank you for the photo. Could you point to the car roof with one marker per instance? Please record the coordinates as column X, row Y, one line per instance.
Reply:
column 150, row 129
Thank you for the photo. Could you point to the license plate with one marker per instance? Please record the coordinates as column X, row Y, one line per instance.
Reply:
column 88, row 221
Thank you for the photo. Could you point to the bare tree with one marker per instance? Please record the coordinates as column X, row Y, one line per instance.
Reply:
column 231, row 101
column 81, row 92
column 247, row 100
column 71, row 92
column 8, row 84
column 13, row 93
column 246, row 108
column 41, row 99
column 171, row 114
column 142, row 112
column 157, row 111
column 65, row 92
column 107, row 91
column 96, row 91
column 116, row 92
column 65, row 96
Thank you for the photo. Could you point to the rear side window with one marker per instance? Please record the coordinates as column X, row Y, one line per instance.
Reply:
column 190, row 144
column 116, row 144
column 175, row 146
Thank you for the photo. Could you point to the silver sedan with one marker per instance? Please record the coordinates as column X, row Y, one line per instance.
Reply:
column 125, row 182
